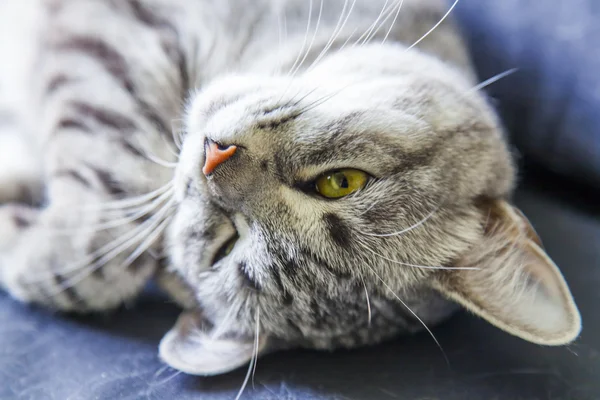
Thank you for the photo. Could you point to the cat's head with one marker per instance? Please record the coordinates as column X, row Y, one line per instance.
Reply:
column 347, row 204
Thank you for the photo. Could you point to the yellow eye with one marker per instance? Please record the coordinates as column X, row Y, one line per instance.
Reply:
column 340, row 182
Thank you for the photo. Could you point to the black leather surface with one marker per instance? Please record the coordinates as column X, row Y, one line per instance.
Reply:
column 114, row 357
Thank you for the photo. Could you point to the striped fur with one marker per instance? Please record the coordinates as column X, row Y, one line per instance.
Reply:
column 106, row 82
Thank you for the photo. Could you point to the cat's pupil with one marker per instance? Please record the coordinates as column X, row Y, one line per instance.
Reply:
column 338, row 180
column 344, row 183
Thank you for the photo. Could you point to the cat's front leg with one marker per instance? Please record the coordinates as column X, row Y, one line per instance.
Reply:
column 105, row 117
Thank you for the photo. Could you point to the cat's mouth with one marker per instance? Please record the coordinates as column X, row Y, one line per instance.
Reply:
column 225, row 249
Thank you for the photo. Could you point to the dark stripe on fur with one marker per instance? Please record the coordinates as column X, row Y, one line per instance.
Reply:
column 339, row 232
column 56, row 83
column 116, row 65
column 75, row 175
column 20, row 221
column 170, row 44
column 73, row 123
column 131, row 148
column 320, row 262
column 106, row 117
column 138, row 264
column 102, row 52
column 68, row 290
column 108, row 182
column 286, row 297
column 274, row 123
column 247, row 279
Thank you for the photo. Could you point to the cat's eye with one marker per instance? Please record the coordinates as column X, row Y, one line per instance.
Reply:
column 226, row 249
column 340, row 182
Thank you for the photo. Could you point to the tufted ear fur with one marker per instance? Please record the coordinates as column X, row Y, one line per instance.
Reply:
column 190, row 348
column 514, row 284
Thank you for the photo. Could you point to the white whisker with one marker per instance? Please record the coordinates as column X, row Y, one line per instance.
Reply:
column 374, row 24
column 348, row 40
column 312, row 42
column 493, row 79
column 142, row 211
column 393, row 23
column 389, row 14
column 368, row 301
column 145, row 147
column 405, row 230
column 256, row 341
column 252, row 359
column 310, row 7
column 130, row 201
column 413, row 313
column 113, row 248
column 366, row 247
column 435, row 26
column 149, row 241
column 368, row 209
column 88, row 270
column 336, row 32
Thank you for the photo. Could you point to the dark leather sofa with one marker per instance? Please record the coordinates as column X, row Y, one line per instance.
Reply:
column 552, row 109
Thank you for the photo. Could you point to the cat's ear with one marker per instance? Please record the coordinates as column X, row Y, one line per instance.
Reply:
column 193, row 350
column 513, row 283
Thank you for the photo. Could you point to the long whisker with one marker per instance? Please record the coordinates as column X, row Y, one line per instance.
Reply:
column 160, row 226
column 333, row 35
column 336, row 33
column 368, row 301
column 147, row 153
column 252, row 360
column 114, row 247
column 149, row 241
column 413, row 313
column 296, row 101
column 145, row 210
column 363, row 245
column 348, row 40
column 312, row 42
column 493, row 79
column 405, row 230
column 310, row 7
column 130, row 201
column 159, row 161
column 389, row 14
column 256, row 341
column 435, row 26
column 384, row 9
column 368, row 209
column 393, row 23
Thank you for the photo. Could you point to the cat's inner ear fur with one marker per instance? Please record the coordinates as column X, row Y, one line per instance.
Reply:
column 513, row 283
column 196, row 349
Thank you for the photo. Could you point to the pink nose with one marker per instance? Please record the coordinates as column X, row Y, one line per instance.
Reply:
column 216, row 155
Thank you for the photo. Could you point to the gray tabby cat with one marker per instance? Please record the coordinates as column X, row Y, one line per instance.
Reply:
column 338, row 179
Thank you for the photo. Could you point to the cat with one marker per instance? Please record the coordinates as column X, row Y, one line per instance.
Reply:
column 295, row 173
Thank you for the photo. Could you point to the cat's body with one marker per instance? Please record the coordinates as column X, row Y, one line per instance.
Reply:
column 101, row 93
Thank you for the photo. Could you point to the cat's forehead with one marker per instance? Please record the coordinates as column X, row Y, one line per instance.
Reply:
column 371, row 125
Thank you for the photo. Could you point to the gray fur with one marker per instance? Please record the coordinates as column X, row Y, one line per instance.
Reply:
column 306, row 271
